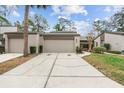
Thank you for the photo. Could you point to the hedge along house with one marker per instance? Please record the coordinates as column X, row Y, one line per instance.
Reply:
column 115, row 39
column 51, row 42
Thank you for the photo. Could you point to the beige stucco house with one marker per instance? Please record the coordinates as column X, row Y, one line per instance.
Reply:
column 51, row 42
column 4, row 29
column 115, row 39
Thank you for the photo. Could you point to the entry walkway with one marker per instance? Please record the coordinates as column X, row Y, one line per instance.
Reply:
column 51, row 70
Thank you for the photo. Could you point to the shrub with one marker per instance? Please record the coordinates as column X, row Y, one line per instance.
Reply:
column 40, row 49
column 78, row 50
column 107, row 46
column 2, row 49
column 115, row 52
column 99, row 50
column 32, row 49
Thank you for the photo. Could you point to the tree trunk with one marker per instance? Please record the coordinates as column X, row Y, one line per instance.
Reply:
column 26, row 30
column 90, row 46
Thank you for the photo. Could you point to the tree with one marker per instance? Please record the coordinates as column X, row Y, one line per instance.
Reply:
column 26, row 30
column 6, row 10
column 101, row 26
column 65, row 23
column 97, row 26
column 90, row 37
column 4, row 21
column 38, row 23
column 58, row 27
column 26, row 13
column 117, row 21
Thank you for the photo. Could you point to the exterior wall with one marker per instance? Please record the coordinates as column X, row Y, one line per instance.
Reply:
column 65, row 45
column 116, row 41
column 42, row 42
column 76, row 42
column 7, row 29
column 6, row 44
column 97, row 40
column 33, row 40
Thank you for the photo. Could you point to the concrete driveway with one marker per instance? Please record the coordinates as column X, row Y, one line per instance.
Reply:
column 9, row 56
column 51, row 70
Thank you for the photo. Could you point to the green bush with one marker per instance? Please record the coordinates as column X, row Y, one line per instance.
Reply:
column 78, row 50
column 107, row 46
column 32, row 49
column 99, row 50
column 40, row 49
column 115, row 52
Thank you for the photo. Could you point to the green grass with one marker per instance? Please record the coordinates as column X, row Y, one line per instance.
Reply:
column 110, row 65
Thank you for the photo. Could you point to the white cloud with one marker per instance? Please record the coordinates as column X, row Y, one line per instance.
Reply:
column 106, row 18
column 69, row 10
column 117, row 8
column 64, row 17
column 108, row 9
column 56, row 10
column 32, row 13
column 113, row 8
column 96, row 19
column 75, row 10
column 16, row 14
column 82, row 26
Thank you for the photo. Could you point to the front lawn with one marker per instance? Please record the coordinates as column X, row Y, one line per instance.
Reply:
column 110, row 65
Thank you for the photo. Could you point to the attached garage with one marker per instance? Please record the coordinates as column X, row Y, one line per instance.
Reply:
column 52, row 42
column 59, row 46
column 14, row 42
column 16, row 45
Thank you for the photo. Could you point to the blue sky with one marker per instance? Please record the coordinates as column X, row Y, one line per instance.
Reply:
column 83, row 16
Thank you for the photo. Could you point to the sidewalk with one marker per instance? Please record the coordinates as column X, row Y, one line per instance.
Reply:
column 9, row 56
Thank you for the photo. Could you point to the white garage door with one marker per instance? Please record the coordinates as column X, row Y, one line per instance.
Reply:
column 59, row 46
column 16, row 45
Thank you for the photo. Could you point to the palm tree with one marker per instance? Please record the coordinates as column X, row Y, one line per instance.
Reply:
column 31, row 25
column 26, row 26
column 4, row 21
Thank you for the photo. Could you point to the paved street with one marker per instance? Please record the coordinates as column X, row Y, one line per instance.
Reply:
column 51, row 70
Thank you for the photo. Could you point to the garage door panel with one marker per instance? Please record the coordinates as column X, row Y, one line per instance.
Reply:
column 59, row 46
column 16, row 45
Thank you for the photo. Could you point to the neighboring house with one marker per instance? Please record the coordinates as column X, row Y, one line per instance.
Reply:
column 115, row 39
column 8, row 29
column 51, row 42
column 84, row 43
